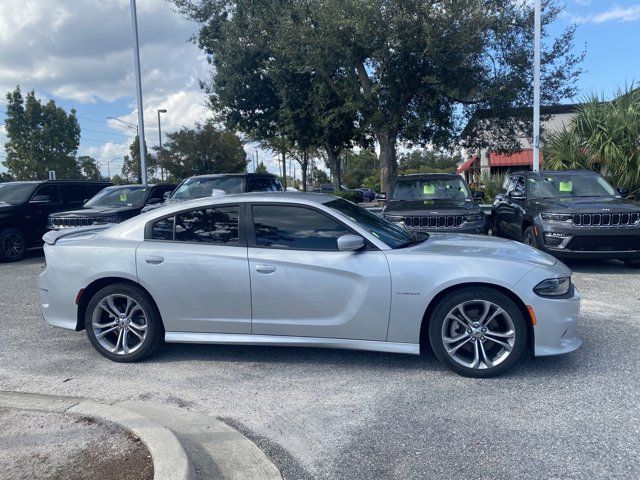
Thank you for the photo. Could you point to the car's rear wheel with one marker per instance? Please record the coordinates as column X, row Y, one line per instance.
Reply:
column 13, row 245
column 478, row 332
column 529, row 237
column 123, row 323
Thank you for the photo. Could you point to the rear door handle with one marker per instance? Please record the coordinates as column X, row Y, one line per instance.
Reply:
column 154, row 260
column 266, row 269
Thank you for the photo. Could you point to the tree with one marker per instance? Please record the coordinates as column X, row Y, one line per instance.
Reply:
column 603, row 136
column 261, row 168
column 358, row 165
column 203, row 149
column 131, row 169
column 412, row 71
column 5, row 177
column 88, row 167
column 42, row 137
column 427, row 161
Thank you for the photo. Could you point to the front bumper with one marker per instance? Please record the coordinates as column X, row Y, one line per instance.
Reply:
column 587, row 242
column 557, row 330
column 477, row 228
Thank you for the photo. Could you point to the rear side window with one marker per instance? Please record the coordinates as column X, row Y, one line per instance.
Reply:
column 207, row 225
column 297, row 228
column 264, row 184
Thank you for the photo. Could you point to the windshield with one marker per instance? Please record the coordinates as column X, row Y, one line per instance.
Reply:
column 119, row 197
column 204, row 187
column 15, row 193
column 430, row 189
column 389, row 233
column 568, row 185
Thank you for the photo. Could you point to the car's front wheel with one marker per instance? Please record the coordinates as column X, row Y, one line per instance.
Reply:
column 123, row 323
column 13, row 245
column 529, row 237
column 478, row 332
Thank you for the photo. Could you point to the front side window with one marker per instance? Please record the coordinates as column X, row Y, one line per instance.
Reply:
column 74, row 193
column 15, row 193
column 50, row 191
column 205, row 225
column 297, row 228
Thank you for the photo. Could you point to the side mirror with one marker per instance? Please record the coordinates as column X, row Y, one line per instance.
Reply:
column 478, row 195
column 41, row 199
column 166, row 195
column 154, row 201
column 382, row 196
column 515, row 195
column 350, row 243
column 623, row 191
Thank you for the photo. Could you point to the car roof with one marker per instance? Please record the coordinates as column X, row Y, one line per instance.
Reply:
column 219, row 175
column 149, row 185
column 549, row 172
column 418, row 176
column 38, row 182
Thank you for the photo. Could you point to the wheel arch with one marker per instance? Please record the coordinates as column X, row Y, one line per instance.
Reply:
column 426, row 319
column 90, row 290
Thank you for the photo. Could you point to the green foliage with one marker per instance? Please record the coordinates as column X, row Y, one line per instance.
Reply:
column 89, row 168
column 357, row 166
column 6, row 177
column 427, row 161
column 603, row 136
column 42, row 137
column 261, row 168
column 203, row 149
column 492, row 186
column 119, row 180
column 319, row 176
column 131, row 169
column 347, row 195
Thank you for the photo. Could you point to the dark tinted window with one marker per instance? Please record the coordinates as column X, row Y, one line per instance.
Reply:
column 73, row 193
column 283, row 226
column 163, row 229
column 93, row 188
column 264, row 184
column 15, row 193
column 158, row 192
column 49, row 190
column 208, row 225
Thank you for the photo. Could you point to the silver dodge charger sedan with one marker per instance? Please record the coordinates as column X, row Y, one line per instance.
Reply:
column 306, row 270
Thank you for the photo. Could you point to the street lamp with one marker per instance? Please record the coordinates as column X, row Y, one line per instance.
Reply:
column 136, row 62
column 125, row 123
column 160, row 110
column 536, row 88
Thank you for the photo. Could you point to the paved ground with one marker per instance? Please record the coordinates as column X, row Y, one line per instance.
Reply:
column 50, row 446
column 341, row 414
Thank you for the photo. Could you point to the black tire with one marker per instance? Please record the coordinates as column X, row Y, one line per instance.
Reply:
column 13, row 245
column 632, row 263
column 147, row 315
column 505, row 359
column 529, row 237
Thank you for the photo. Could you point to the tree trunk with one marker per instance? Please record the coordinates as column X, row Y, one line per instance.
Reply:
column 304, row 165
column 334, row 166
column 388, row 164
column 284, row 170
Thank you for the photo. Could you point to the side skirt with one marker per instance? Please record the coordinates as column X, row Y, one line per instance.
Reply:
column 242, row 339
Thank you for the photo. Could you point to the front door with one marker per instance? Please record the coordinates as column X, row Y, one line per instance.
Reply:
column 44, row 201
column 303, row 286
column 194, row 265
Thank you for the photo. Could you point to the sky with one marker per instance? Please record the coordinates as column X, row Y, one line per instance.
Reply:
column 79, row 53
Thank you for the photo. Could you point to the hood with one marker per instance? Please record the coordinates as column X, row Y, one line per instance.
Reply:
column 431, row 207
column 585, row 205
column 462, row 245
column 104, row 211
column 7, row 207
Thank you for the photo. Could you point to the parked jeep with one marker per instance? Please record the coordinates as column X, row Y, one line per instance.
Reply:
column 25, row 206
column 200, row 186
column 569, row 214
column 111, row 205
column 435, row 202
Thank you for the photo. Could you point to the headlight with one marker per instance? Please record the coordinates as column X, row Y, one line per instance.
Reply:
column 557, row 217
column 394, row 218
column 474, row 218
column 553, row 287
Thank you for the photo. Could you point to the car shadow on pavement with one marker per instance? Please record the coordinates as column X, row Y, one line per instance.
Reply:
column 600, row 266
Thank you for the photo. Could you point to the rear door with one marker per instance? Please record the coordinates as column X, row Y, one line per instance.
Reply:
column 303, row 286
column 194, row 264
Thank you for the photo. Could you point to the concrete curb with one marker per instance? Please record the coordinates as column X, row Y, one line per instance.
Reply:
column 169, row 458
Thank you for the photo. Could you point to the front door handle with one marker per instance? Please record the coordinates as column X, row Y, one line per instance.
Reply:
column 266, row 269
column 154, row 260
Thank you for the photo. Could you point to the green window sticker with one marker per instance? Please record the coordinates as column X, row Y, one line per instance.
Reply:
column 428, row 189
column 123, row 197
column 566, row 186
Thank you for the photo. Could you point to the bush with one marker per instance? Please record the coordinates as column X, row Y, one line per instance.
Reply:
column 492, row 186
column 351, row 196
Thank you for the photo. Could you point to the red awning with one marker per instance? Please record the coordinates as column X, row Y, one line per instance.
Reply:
column 466, row 165
column 522, row 158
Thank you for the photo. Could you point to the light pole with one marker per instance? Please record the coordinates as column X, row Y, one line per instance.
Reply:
column 125, row 123
column 160, row 110
column 536, row 87
column 136, row 61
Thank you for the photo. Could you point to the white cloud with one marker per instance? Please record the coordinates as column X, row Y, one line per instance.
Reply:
column 616, row 13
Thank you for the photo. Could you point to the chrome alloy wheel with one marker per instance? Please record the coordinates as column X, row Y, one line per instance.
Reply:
column 119, row 324
column 478, row 334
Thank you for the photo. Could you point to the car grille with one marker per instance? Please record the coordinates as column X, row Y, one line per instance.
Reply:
column 606, row 219
column 64, row 222
column 434, row 221
column 617, row 243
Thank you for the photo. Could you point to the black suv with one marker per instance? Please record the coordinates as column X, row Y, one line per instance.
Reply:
column 25, row 206
column 112, row 205
column 200, row 186
column 435, row 202
column 569, row 214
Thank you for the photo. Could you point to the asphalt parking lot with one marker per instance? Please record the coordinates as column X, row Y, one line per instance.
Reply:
column 343, row 414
